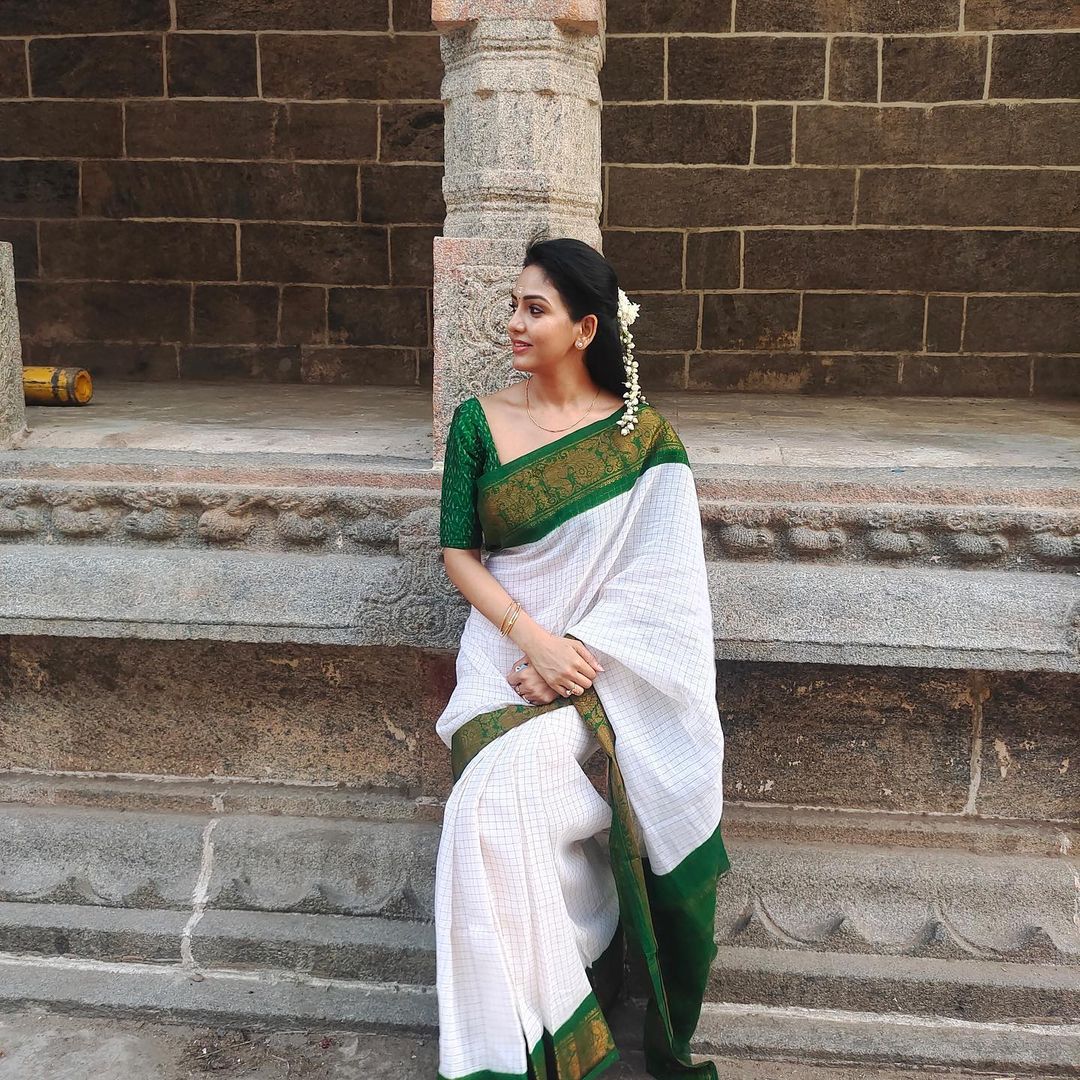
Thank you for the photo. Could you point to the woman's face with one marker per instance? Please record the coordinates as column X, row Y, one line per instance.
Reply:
column 541, row 331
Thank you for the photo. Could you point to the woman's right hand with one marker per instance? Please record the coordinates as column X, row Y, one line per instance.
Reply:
column 563, row 663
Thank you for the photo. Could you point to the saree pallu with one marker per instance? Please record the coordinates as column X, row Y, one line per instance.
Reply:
column 598, row 535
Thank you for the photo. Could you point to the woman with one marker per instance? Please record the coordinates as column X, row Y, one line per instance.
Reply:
column 590, row 627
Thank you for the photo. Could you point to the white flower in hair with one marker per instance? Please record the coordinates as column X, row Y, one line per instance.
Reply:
column 628, row 313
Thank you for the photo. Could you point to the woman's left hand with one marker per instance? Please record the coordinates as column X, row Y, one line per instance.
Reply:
column 529, row 685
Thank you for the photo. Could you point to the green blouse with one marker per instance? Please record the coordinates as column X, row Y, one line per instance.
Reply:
column 470, row 452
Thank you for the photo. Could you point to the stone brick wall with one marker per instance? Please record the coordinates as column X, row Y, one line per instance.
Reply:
column 223, row 188
column 848, row 197
column 806, row 195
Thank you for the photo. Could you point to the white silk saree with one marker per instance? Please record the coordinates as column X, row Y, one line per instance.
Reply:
column 598, row 536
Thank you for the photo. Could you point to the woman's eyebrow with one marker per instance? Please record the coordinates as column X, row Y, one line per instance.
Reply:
column 531, row 296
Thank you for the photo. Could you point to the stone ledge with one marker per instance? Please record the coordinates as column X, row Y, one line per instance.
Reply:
column 948, row 568
column 923, row 903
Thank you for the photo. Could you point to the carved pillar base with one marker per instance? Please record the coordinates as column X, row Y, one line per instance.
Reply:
column 522, row 101
column 12, row 406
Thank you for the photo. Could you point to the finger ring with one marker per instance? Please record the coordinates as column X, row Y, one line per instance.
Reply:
column 522, row 665
column 575, row 688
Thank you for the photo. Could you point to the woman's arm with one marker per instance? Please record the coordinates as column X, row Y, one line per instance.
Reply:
column 558, row 660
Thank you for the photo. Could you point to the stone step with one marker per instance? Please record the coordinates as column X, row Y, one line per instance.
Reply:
column 268, row 1000
column 377, row 950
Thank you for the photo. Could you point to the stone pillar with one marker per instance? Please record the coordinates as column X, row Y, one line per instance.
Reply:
column 12, row 407
column 522, row 98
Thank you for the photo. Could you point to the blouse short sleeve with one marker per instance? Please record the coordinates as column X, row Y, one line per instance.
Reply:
column 459, row 522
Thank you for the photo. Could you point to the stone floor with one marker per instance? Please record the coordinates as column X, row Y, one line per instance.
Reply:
column 718, row 429
column 37, row 1045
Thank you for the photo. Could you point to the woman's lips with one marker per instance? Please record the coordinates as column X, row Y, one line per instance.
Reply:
column 520, row 346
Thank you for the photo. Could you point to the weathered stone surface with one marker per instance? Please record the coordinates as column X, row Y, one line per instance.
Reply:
column 862, row 322
column 411, row 133
column 62, row 129
column 1031, row 133
column 281, row 15
column 853, row 69
column 1035, row 66
column 331, row 130
column 672, row 197
column 235, row 314
column 325, row 254
column 303, row 315
column 13, row 81
column 932, row 904
column 1029, row 748
column 750, row 321
column 12, row 407
column 750, row 68
column 97, row 67
column 663, row 371
column 1032, row 197
column 212, row 65
column 350, row 66
column 52, row 855
column 358, row 716
column 411, row 14
column 944, row 323
column 672, row 321
column 872, row 737
column 143, row 362
column 393, row 316
column 22, row 236
column 713, row 260
column 374, row 365
column 1023, row 324
column 259, row 362
column 220, row 190
column 861, row 16
column 346, row 868
column 411, row 258
column 407, row 194
column 645, row 260
column 654, row 16
column 1020, row 15
column 39, row 189
column 789, row 373
column 633, row 69
column 934, row 68
column 26, row 17
column 817, row 613
column 59, row 312
column 1056, row 376
column 774, row 137
column 197, row 129
column 143, row 250
column 968, row 376
column 689, row 134
column 915, row 259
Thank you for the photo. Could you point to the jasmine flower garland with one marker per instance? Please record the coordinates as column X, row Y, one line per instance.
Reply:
column 627, row 313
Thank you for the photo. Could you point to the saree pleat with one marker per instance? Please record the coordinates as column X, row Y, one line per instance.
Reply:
column 539, row 875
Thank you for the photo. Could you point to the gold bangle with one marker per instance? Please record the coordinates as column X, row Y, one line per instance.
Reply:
column 503, row 628
column 513, row 619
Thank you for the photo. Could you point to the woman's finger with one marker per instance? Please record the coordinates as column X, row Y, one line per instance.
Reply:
column 583, row 651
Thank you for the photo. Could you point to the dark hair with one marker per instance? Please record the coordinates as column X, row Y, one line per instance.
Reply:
column 588, row 285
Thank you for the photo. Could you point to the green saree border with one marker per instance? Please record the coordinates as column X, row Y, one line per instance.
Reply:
column 524, row 460
column 583, row 1042
column 669, row 917
column 525, row 500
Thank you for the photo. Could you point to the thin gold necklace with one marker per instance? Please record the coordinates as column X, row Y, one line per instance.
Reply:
column 555, row 430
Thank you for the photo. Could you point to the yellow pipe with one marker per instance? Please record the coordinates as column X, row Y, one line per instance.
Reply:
column 57, row 385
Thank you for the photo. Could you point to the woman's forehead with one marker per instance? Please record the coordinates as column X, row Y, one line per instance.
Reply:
column 532, row 281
